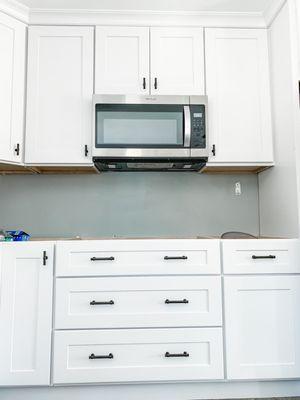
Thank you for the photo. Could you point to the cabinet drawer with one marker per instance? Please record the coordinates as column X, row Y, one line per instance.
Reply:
column 261, row 256
column 138, row 257
column 137, row 355
column 138, row 302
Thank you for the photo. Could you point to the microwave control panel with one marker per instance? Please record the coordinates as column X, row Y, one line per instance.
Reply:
column 198, row 126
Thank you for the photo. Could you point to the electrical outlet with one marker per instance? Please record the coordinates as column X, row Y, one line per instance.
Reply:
column 238, row 188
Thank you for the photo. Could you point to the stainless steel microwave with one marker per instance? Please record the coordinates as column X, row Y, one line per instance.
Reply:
column 156, row 130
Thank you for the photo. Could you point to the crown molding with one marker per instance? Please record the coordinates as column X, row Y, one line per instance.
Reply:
column 15, row 9
column 145, row 18
column 272, row 11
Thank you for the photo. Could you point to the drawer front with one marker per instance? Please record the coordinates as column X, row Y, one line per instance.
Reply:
column 138, row 302
column 137, row 355
column 261, row 256
column 138, row 257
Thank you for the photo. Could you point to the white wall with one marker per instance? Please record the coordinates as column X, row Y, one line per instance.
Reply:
column 278, row 190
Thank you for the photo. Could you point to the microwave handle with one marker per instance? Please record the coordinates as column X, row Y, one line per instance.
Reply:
column 187, row 126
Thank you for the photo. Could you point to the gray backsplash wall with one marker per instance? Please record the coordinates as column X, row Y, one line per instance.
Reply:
column 128, row 204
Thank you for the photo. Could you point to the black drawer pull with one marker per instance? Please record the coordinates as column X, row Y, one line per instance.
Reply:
column 94, row 357
column 175, row 258
column 184, row 354
column 184, row 301
column 263, row 257
column 102, row 258
column 101, row 303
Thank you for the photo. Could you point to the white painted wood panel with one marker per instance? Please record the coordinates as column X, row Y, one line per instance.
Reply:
column 177, row 61
column 59, row 98
column 122, row 60
column 248, row 256
column 138, row 302
column 238, row 89
column 25, row 314
column 138, row 355
column 262, row 327
column 138, row 257
column 12, row 84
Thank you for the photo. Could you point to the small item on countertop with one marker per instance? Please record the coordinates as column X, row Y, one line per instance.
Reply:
column 237, row 235
column 18, row 236
column 5, row 236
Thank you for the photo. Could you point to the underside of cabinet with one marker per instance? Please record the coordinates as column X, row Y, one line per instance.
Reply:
column 10, row 169
column 235, row 169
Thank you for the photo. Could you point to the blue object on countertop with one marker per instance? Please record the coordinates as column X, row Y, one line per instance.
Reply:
column 19, row 236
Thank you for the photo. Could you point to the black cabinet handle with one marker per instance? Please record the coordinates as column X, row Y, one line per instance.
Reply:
column 86, row 150
column 101, row 303
column 102, row 258
column 17, row 149
column 175, row 258
column 184, row 354
column 94, row 357
column 144, row 83
column 263, row 257
column 184, row 301
column 213, row 150
column 155, row 83
column 45, row 257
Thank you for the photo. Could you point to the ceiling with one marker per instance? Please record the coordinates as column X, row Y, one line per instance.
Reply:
column 252, row 6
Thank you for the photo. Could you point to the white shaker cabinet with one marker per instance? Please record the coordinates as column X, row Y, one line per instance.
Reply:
column 25, row 313
column 238, row 89
column 59, row 99
column 12, row 84
column 141, row 60
column 177, row 61
column 262, row 327
column 122, row 60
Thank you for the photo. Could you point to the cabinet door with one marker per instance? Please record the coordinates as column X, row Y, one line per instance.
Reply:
column 262, row 327
column 238, row 89
column 12, row 83
column 60, row 89
column 177, row 61
column 25, row 313
column 122, row 60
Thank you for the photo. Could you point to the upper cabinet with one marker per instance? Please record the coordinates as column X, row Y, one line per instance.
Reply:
column 122, row 60
column 59, row 99
column 177, row 61
column 238, row 89
column 12, row 84
column 126, row 62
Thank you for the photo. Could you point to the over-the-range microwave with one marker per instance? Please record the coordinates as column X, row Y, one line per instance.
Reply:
column 156, row 133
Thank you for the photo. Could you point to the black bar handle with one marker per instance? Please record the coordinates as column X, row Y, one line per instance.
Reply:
column 94, row 357
column 101, row 303
column 184, row 354
column 263, row 257
column 184, row 301
column 102, row 258
column 213, row 150
column 155, row 83
column 17, row 149
column 144, row 83
column 45, row 257
column 175, row 258
column 86, row 150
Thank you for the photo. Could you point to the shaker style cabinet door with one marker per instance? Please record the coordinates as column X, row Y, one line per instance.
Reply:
column 177, row 61
column 262, row 327
column 59, row 99
column 12, row 84
column 25, row 313
column 122, row 60
column 238, row 89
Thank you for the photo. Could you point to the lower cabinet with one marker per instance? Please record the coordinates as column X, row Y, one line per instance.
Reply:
column 136, row 355
column 262, row 322
column 25, row 313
